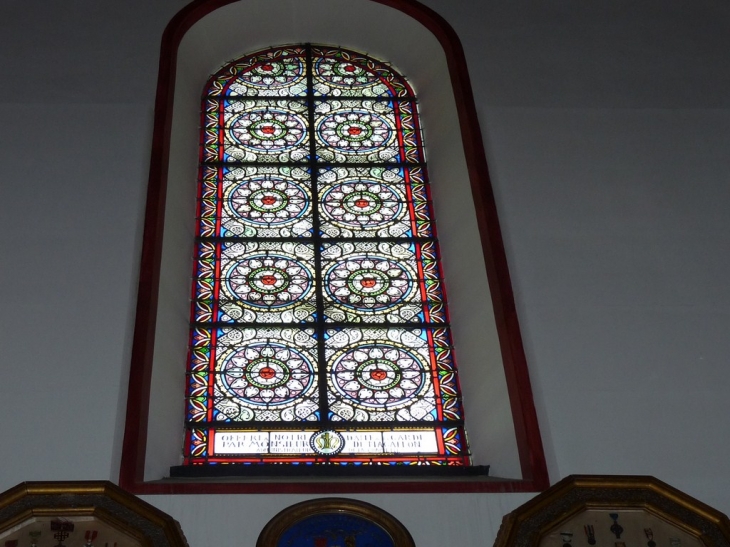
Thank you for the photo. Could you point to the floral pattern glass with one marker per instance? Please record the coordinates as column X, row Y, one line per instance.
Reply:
column 319, row 324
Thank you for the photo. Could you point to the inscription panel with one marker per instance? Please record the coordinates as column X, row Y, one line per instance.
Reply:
column 300, row 442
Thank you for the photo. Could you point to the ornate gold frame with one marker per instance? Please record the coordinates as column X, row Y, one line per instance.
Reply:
column 100, row 499
column 273, row 530
column 526, row 525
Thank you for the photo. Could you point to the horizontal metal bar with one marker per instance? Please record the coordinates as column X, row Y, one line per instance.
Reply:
column 368, row 466
column 324, row 424
column 315, row 98
column 325, row 325
column 310, row 240
column 318, row 164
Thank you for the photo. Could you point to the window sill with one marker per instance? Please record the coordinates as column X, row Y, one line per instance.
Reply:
column 425, row 472
column 310, row 484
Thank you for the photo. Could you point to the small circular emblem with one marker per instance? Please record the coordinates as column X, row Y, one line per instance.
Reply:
column 327, row 442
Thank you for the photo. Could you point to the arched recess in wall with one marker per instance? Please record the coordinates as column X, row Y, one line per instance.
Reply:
column 501, row 420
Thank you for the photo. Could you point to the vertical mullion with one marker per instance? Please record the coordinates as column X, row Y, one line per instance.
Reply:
column 317, row 242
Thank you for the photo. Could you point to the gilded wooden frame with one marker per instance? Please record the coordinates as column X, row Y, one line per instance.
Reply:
column 273, row 530
column 527, row 525
column 100, row 499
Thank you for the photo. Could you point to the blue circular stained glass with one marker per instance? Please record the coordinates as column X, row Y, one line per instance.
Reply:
column 334, row 529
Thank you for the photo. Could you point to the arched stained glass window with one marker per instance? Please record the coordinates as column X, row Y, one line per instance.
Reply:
column 319, row 323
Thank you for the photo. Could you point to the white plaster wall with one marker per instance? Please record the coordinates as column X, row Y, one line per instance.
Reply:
column 607, row 133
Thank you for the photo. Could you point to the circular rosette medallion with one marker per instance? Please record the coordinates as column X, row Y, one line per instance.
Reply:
column 369, row 283
column 265, row 130
column 279, row 73
column 379, row 376
column 340, row 73
column 269, row 200
column 267, row 374
column 355, row 131
column 361, row 203
column 269, row 281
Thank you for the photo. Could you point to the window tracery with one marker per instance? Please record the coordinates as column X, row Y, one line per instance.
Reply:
column 319, row 330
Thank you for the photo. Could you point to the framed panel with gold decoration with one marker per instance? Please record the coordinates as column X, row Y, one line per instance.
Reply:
column 92, row 514
column 334, row 522
column 614, row 511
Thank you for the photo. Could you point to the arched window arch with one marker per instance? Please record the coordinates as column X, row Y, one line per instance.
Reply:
column 319, row 324
column 207, row 33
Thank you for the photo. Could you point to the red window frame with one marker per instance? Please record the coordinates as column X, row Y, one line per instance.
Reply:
column 529, row 443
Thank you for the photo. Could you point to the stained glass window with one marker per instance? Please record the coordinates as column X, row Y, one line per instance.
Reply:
column 319, row 325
